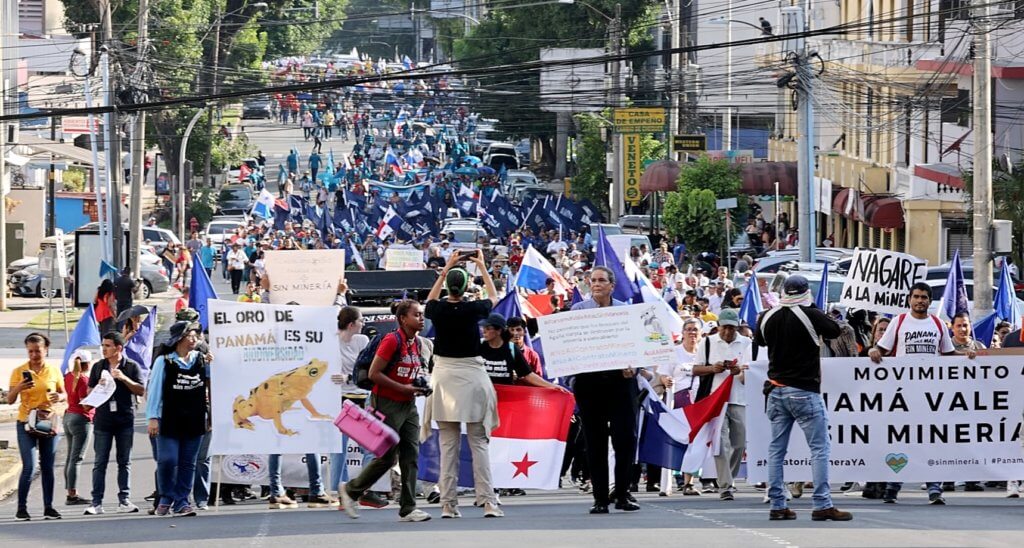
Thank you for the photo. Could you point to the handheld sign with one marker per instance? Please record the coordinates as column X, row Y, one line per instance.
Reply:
column 307, row 276
column 403, row 259
column 880, row 280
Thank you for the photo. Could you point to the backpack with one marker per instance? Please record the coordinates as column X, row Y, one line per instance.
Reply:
column 361, row 369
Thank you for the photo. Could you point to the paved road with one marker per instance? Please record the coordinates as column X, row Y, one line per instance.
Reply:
column 276, row 140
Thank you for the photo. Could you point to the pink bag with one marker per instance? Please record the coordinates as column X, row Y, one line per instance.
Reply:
column 364, row 426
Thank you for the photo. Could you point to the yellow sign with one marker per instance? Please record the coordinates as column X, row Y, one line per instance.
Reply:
column 632, row 168
column 639, row 120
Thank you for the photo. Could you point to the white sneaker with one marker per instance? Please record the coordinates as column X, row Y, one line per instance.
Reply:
column 492, row 510
column 94, row 510
column 415, row 515
column 767, row 499
column 450, row 512
column 1013, row 489
column 127, row 508
column 347, row 504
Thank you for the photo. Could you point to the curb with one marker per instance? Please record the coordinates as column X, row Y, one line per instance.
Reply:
column 9, row 480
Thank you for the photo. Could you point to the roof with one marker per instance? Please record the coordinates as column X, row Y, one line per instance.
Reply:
column 67, row 151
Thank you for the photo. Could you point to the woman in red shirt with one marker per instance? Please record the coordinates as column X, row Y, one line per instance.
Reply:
column 77, row 421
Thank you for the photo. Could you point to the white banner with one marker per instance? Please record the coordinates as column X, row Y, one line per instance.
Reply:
column 880, row 280
column 911, row 419
column 270, row 384
column 305, row 276
column 249, row 469
column 403, row 259
column 601, row 339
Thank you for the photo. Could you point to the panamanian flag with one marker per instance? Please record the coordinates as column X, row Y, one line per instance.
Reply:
column 526, row 450
column 698, row 426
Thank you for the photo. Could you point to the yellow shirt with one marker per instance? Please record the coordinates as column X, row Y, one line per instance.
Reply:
column 709, row 317
column 47, row 380
column 245, row 298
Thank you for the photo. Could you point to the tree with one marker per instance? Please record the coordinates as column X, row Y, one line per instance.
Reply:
column 1007, row 201
column 690, row 212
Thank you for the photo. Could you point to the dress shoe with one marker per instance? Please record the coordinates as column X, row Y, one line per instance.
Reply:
column 784, row 514
column 832, row 513
column 599, row 509
column 627, row 506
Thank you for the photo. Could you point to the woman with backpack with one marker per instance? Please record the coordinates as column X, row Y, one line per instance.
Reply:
column 463, row 392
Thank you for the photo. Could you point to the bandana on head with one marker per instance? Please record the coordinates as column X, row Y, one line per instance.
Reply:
column 802, row 299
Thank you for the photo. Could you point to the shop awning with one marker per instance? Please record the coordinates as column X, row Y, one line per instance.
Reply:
column 883, row 212
column 941, row 173
column 759, row 178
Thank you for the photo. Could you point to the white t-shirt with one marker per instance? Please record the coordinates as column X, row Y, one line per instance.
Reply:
column 350, row 351
column 715, row 303
column 738, row 349
column 916, row 336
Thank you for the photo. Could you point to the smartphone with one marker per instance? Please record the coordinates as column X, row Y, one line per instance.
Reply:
column 467, row 254
column 26, row 376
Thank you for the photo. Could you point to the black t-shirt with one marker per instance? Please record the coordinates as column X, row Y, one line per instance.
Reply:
column 435, row 262
column 124, row 287
column 123, row 401
column 456, row 329
column 501, row 362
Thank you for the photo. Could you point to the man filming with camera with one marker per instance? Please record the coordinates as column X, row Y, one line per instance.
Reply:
column 395, row 372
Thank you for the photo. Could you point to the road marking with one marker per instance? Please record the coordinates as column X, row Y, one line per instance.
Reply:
column 724, row 525
column 263, row 530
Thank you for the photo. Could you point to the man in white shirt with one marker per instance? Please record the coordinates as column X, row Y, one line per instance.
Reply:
column 721, row 355
column 236, row 261
column 556, row 245
column 715, row 297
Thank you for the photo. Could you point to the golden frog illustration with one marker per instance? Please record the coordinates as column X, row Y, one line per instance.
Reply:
column 278, row 394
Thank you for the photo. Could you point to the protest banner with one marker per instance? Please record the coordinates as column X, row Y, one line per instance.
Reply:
column 403, row 259
column 250, row 469
column 880, row 280
column 911, row 419
column 308, row 276
column 270, row 385
column 600, row 339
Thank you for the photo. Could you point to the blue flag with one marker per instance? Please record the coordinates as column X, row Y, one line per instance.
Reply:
column 954, row 298
column 985, row 329
column 106, row 269
column 606, row 257
column 655, row 446
column 576, row 297
column 200, row 292
column 140, row 347
column 1006, row 300
column 822, row 298
column 751, row 306
column 86, row 333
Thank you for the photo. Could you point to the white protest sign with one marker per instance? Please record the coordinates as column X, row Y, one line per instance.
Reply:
column 601, row 339
column 305, row 276
column 910, row 419
column 250, row 469
column 403, row 259
column 270, row 385
column 880, row 280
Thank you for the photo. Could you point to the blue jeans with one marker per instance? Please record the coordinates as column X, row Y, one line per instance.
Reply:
column 201, row 485
column 103, row 442
column 29, row 447
column 788, row 405
column 76, row 430
column 316, row 485
column 933, row 487
column 176, row 469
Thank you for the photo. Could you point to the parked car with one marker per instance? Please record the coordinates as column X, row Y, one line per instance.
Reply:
column 29, row 282
column 218, row 230
column 235, row 198
column 497, row 161
column 638, row 222
column 257, row 109
column 465, row 230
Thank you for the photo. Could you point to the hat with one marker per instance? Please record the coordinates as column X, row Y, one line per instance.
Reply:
column 729, row 317
column 445, row 242
column 236, row 243
column 179, row 330
column 661, row 271
column 187, row 315
column 795, row 285
column 494, row 320
column 81, row 354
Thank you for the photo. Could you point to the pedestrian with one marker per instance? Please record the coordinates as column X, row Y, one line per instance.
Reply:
column 396, row 366
column 503, row 361
column 77, row 422
column 207, row 255
column 351, row 341
column 103, row 307
column 124, row 290
column 236, row 261
column 724, row 354
column 180, row 383
column 916, row 333
column 792, row 332
column 39, row 388
column 463, row 392
column 114, row 423
column 608, row 406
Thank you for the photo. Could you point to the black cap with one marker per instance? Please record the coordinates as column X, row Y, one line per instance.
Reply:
column 795, row 285
column 494, row 320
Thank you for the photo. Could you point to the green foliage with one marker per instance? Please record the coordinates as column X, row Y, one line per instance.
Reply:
column 74, row 179
column 301, row 32
column 1008, row 200
column 691, row 214
column 686, row 212
column 202, row 206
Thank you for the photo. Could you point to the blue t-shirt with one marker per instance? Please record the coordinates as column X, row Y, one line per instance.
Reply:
column 206, row 256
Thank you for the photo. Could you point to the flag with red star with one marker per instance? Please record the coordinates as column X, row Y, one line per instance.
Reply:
column 526, row 450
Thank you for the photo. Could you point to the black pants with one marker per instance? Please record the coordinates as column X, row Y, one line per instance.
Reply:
column 327, row 131
column 576, row 452
column 236, row 280
column 608, row 406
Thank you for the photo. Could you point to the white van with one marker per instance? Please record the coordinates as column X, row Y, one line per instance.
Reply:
column 622, row 242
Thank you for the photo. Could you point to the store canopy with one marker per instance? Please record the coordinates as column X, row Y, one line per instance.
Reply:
column 759, row 178
column 883, row 211
column 66, row 151
column 660, row 176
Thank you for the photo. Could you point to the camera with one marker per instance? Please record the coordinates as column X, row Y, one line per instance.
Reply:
column 423, row 385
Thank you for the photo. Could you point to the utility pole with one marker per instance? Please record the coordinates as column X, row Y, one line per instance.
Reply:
column 727, row 119
column 5, row 7
column 51, row 190
column 618, row 177
column 139, row 148
column 114, row 171
column 796, row 17
column 676, row 77
column 207, row 167
column 982, row 193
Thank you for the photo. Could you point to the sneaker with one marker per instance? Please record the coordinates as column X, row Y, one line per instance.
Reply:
column 973, row 486
column 93, row 510
column 796, row 489
column 833, row 514
column 152, row 496
column 689, row 491
column 373, row 500
column 434, row 497
column 347, row 504
column 1013, row 489
column 51, row 513
column 22, row 515
column 415, row 515
column 127, row 507
column 75, row 501
column 936, row 499
column 492, row 510
column 162, row 510
column 186, row 511
column 320, row 501
column 450, row 512
column 202, row 507
column 767, row 499
column 784, row 514
column 726, row 495
column 281, row 502
column 889, row 497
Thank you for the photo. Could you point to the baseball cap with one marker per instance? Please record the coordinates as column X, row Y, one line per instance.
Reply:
column 494, row 320
column 795, row 285
column 729, row 317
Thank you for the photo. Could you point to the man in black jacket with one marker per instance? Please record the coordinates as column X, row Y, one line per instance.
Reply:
column 792, row 332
